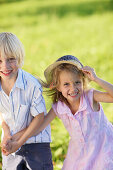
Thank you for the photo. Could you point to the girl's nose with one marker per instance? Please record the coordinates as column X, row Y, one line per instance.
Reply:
column 73, row 87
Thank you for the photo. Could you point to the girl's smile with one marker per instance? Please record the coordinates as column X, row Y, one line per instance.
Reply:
column 73, row 94
column 71, row 86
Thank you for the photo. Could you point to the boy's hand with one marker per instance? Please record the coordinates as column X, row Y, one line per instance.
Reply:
column 6, row 147
column 5, row 141
column 11, row 147
column 89, row 72
column 12, row 144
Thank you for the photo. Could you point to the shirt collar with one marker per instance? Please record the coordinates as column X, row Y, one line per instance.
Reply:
column 20, row 81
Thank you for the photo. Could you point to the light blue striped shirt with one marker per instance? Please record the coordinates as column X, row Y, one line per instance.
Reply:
column 24, row 102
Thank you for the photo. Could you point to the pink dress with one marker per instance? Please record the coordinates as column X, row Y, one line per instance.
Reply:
column 91, row 136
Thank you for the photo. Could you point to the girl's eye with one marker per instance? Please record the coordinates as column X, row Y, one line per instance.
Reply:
column 0, row 61
column 77, row 82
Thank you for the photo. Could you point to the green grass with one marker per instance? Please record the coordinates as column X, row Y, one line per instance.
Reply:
column 49, row 29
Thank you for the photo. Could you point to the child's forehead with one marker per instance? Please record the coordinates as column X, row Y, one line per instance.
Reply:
column 66, row 75
column 71, row 72
column 7, row 49
column 6, row 54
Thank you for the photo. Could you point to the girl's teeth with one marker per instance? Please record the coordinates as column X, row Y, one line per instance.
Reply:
column 73, row 94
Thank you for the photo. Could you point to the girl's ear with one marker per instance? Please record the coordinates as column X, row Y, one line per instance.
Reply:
column 58, row 88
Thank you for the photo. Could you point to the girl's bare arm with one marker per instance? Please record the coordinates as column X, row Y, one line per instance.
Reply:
column 100, row 96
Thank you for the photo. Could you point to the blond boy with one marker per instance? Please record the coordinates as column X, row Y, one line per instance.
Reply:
column 21, row 106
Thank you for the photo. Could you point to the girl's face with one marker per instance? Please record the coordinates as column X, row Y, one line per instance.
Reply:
column 8, row 68
column 71, row 86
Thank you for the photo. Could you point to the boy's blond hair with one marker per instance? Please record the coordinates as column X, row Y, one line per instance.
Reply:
column 10, row 46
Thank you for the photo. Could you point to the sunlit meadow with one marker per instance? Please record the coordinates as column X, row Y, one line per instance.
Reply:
column 50, row 29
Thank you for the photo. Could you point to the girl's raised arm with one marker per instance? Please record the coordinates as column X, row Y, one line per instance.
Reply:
column 99, row 96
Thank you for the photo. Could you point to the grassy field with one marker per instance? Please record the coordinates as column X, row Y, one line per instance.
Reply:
column 49, row 29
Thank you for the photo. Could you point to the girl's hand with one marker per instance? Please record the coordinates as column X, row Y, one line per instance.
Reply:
column 89, row 72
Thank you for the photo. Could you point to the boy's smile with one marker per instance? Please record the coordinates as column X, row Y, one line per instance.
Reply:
column 6, row 73
column 8, row 68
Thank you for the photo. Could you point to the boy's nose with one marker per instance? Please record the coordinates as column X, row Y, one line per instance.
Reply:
column 5, row 64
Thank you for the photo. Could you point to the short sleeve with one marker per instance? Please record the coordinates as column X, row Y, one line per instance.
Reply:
column 38, row 102
column 60, row 108
column 54, row 106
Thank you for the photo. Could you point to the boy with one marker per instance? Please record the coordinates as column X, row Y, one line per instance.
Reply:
column 21, row 106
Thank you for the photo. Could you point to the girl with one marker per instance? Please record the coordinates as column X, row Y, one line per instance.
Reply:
column 91, row 142
column 91, row 134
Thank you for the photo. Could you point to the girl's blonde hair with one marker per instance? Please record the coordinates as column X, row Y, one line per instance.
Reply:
column 52, row 86
column 10, row 46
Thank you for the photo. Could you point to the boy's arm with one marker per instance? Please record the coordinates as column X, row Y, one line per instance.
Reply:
column 4, row 125
column 6, row 133
column 6, row 129
column 6, row 137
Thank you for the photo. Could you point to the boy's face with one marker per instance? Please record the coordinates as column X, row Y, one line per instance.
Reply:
column 8, row 68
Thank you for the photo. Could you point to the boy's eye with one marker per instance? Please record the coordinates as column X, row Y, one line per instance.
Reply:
column 11, row 59
column 66, row 84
